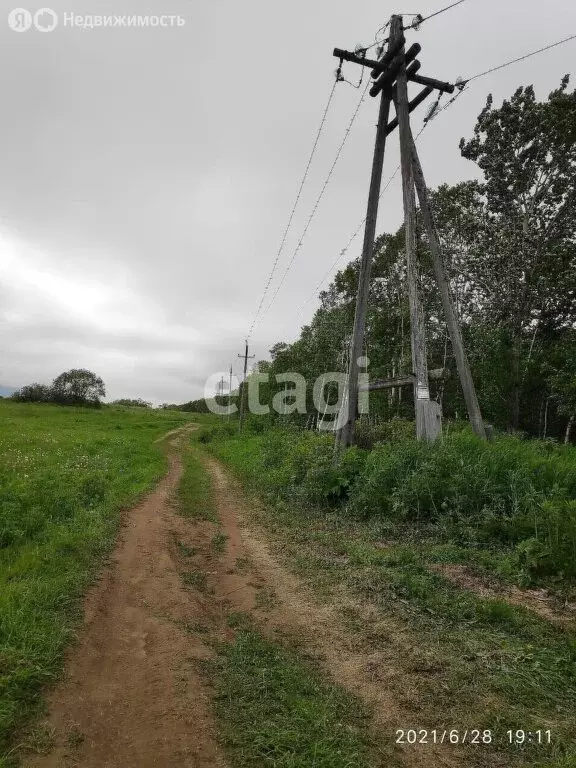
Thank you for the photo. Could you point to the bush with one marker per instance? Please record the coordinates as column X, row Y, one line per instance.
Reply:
column 368, row 435
column 514, row 492
column 34, row 393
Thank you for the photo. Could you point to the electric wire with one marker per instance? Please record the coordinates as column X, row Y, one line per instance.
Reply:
column 520, row 58
column 462, row 87
column 346, row 248
column 294, row 207
column 442, row 10
column 316, row 204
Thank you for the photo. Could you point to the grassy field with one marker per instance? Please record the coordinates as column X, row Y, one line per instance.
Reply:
column 65, row 475
column 464, row 658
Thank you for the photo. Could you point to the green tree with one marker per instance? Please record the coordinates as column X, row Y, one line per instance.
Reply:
column 78, row 387
column 522, row 258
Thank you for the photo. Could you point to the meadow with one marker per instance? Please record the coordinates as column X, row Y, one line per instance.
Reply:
column 65, row 475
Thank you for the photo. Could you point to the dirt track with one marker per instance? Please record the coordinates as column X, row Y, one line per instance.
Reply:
column 132, row 695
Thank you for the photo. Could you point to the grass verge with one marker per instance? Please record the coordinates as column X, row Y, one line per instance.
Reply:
column 276, row 709
column 195, row 497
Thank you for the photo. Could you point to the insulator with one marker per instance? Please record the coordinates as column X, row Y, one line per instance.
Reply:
column 459, row 83
column 417, row 21
column 431, row 114
column 359, row 49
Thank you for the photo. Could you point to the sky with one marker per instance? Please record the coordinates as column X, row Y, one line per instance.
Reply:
column 147, row 174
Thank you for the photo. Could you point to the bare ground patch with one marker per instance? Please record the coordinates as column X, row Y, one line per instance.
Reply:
column 539, row 601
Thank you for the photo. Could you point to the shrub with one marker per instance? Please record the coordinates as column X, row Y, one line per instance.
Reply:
column 513, row 492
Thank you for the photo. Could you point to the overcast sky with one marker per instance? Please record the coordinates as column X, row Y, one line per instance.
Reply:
column 146, row 175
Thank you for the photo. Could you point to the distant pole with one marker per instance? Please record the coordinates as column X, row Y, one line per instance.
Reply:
column 246, row 357
column 345, row 434
column 417, row 326
column 230, row 391
column 462, row 363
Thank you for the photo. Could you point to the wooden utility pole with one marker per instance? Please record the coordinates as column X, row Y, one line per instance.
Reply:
column 246, row 357
column 462, row 363
column 230, row 391
column 425, row 428
column 345, row 434
column 392, row 75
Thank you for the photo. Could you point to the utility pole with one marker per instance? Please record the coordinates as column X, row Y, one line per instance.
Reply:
column 438, row 264
column 417, row 326
column 392, row 75
column 345, row 434
column 246, row 357
column 230, row 391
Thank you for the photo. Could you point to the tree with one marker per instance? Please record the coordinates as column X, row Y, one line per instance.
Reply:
column 78, row 387
column 562, row 380
column 522, row 258
column 34, row 393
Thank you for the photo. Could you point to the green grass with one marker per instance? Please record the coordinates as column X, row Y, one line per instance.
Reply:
column 472, row 659
column 195, row 497
column 276, row 709
column 65, row 474
column 195, row 579
column 218, row 543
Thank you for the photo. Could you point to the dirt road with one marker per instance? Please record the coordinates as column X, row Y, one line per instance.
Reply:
column 132, row 695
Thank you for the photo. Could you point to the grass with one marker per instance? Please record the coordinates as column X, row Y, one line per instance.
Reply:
column 65, row 475
column 218, row 543
column 276, row 709
column 195, row 579
column 195, row 498
column 472, row 659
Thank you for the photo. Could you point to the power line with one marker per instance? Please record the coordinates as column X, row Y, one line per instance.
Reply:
column 318, row 200
column 442, row 10
column 463, row 85
column 292, row 213
column 520, row 58
column 344, row 251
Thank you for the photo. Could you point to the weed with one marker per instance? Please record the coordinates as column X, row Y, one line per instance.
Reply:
column 218, row 543
column 196, row 579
